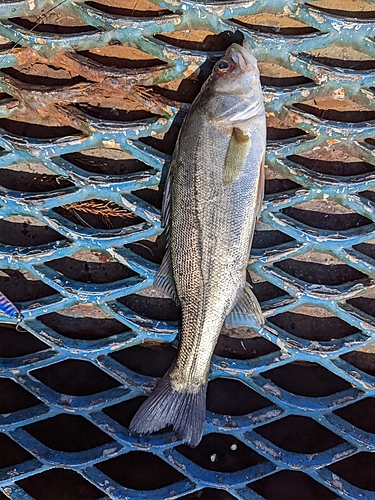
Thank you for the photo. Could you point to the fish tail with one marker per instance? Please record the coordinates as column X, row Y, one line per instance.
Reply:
column 184, row 410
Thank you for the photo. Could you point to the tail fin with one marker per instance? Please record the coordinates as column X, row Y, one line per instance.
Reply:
column 185, row 411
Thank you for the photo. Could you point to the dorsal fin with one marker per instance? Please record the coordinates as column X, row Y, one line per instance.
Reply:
column 166, row 204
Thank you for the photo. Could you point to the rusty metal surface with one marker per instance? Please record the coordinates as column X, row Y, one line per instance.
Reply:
column 92, row 97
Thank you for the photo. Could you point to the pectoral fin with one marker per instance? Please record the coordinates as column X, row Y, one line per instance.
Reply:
column 235, row 159
column 246, row 311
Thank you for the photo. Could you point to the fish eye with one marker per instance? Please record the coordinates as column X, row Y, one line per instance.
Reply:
column 223, row 65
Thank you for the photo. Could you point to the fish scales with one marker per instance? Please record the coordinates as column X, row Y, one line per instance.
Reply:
column 212, row 200
column 209, row 236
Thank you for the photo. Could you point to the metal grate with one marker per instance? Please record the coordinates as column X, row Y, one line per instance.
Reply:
column 92, row 98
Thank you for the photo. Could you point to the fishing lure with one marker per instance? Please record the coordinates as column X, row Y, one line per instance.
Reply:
column 7, row 307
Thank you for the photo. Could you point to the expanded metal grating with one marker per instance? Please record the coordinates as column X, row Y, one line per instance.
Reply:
column 93, row 94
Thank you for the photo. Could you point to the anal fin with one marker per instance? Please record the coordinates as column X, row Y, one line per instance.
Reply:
column 164, row 281
column 246, row 311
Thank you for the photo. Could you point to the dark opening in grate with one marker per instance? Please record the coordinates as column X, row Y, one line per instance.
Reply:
column 60, row 484
column 291, row 485
column 67, row 433
column 79, row 378
column 144, row 471
column 221, row 453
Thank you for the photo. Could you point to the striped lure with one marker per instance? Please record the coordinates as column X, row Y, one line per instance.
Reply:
column 7, row 307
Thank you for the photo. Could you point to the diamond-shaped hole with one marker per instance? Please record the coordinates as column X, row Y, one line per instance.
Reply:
column 325, row 215
column 69, row 433
column 276, row 186
column 14, row 397
column 122, row 56
column 53, row 23
column 208, row 494
column 275, row 180
column 313, row 324
column 357, row 470
column 99, row 214
column 370, row 140
column 369, row 194
column 130, row 112
column 266, row 22
column 278, row 130
column 360, row 9
column 84, row 322
column 264, row 290
column 291, row 485
column 44, row 75
column 59, row 484
column 26, row 232
column 21, row 286
column 360, row 414
column 18, row 126
column 299, row 435
column 106, row 161
column 125, row 411
column 153, row 360
column 246, row 346
column 77, row 378
column 231, row 397
column 306, row 379
column 343, row 56
column 222, row 453
column 152, row 307
column 163, row 141
column 144, row 471
column 6, row 44
column 152, row 195
column 277, row 133
column 152, row 249
column 193, row 39
column 33, row 178
column 91, row 267
column 320, row 269
column 364, row 361
column 365, row 303
column 11, row 452
column 274, row 74
column 142, row 8
column 14, row 343
column 268, row 239
column 367, row 248
column 3, row 95
column 335, row 163
column 342, row 110
column 184, row 90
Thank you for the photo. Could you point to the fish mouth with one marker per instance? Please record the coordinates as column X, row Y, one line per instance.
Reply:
column 242, row 55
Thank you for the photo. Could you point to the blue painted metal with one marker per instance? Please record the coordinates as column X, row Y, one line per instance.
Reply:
column 289, row 51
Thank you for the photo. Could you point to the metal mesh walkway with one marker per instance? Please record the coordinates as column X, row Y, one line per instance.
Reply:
column 92, row 96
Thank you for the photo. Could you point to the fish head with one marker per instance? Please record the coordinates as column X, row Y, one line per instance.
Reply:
column 236, row 72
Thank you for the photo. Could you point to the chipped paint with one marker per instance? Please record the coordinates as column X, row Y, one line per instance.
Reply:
column 111, row 144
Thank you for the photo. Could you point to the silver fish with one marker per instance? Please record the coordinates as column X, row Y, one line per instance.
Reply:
column 212, row 199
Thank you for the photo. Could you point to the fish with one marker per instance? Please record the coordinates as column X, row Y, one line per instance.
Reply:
column 212, row 199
